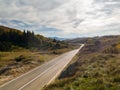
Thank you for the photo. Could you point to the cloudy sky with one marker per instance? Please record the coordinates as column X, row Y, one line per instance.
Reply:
column 62, row 18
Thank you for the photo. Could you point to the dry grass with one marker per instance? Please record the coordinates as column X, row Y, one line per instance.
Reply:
column 60, row 51
column 6, row 57
column 118, row 46
column 95, row 71
column 13, row 64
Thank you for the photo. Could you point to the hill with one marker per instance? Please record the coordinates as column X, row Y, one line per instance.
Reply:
column 11, row 38
column 89, row 40
column 95, row 67
column 7, row 29
column 23, row 51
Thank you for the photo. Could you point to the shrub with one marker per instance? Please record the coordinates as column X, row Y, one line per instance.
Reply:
column 20, row 58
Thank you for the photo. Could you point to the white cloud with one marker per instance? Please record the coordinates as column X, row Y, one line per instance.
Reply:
column 71, row 17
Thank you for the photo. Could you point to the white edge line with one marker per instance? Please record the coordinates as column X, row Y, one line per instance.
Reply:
column 20, row 76
column 30, row 71
column 26, row 73
column 63, row 67
column 58, row 73
column 45, row 72
column 38, row 76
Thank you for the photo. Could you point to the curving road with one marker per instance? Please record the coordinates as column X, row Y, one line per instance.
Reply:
column 37, row 78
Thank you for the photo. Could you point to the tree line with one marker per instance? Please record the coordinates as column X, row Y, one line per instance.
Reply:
column 27, row 39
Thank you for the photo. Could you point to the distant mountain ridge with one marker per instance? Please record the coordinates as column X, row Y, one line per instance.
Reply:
column 58, row 38
column 90, row 39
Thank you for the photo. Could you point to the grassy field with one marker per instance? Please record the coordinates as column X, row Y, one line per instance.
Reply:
column 93, row 68
column 7, row 57
column 17, row 62
column 13, row 64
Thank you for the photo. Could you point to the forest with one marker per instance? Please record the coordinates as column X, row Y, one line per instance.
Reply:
column 12, row 38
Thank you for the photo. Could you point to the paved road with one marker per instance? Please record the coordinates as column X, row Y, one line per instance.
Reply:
column 37, row 78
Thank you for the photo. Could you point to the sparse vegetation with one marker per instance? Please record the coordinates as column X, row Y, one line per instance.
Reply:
column 94, row 69
column 115, row 49
column 13, row 64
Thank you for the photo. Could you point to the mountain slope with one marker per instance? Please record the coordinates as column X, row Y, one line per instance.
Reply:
column 10, row 37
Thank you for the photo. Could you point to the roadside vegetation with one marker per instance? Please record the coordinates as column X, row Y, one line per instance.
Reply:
column 23, row 51
column 13, row 64
column 95, row 67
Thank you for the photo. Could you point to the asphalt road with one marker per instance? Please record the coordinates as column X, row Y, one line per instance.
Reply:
column 43, row 75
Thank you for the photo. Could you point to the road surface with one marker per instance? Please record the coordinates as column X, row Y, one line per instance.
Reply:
column 37, row 78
